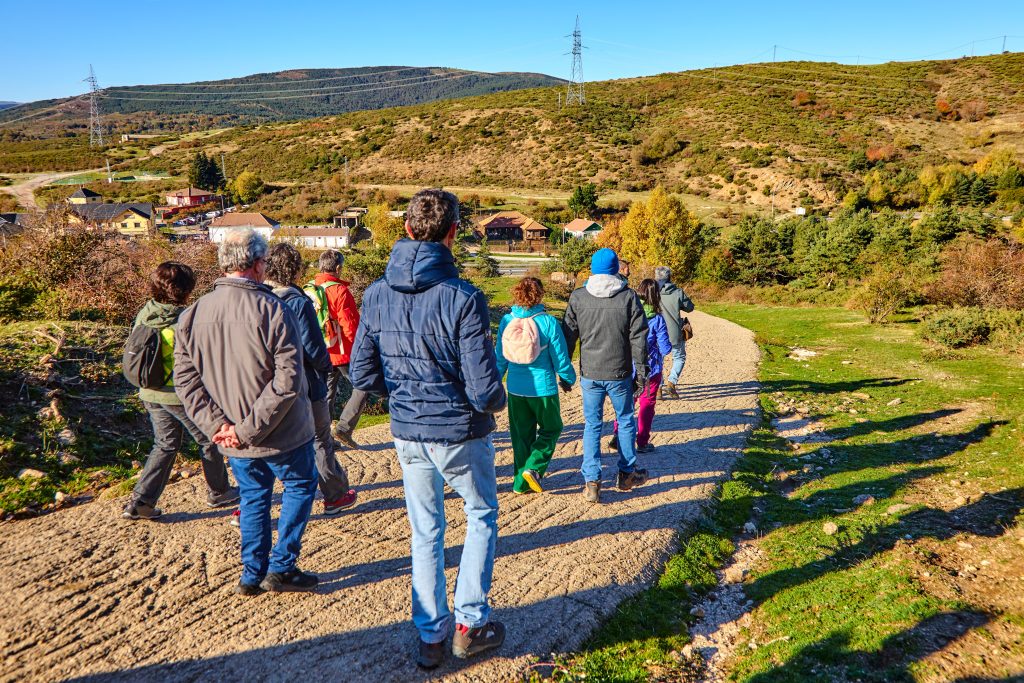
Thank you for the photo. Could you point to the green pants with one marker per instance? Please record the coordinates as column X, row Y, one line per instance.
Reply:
column 535, row 423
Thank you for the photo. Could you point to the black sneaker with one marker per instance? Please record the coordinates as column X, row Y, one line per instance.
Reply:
column 249, row 589
column 223, row 500
column 472, row 641
column 430, row 655
column 136, row 509
column 613, row 443
column 289, row 582
column 629, row 480
column 648, row 448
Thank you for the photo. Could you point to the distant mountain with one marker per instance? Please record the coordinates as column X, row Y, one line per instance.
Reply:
column 299, row 94
column 8, row 105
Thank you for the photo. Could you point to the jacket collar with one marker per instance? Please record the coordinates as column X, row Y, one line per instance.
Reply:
column 520, row 312
column 241, row 283
column 329, row 277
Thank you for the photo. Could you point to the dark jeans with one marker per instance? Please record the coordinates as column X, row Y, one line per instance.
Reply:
column 169, row 426
column 356, row 403
column 255, row 477
column 332, row 477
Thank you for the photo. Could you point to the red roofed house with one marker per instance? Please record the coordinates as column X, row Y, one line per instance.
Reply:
column 583, row 228
column 190, row 196
column 258, row 222
column 512, row 225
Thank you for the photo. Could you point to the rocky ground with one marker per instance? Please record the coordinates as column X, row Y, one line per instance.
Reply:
column 89, row 596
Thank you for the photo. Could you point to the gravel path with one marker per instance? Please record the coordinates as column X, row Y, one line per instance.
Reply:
column 88, row 596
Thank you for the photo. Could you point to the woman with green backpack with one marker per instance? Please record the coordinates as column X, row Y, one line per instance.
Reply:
column 149, row 365
column 531, row 349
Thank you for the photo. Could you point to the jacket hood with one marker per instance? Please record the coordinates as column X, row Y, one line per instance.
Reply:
column 668, row 287
column 417, row 266
column 604, row 286
column 241, row 283
column 328, row 277
column 520, row 312
column 156, row 314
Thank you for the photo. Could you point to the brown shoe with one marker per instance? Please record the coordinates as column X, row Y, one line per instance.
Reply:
column 670, row 388
column 472, row 641
column 345, row 438
column 592, row 491
column 430, row 655
column 632, row 479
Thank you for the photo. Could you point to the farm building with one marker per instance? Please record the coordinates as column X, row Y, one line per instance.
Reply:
column 513, row 226
column 583, row 228
column 319, row 237
column 258, row 222
column 132, row 220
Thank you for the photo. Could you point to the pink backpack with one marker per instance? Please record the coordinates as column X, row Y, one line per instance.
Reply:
column 520, row 342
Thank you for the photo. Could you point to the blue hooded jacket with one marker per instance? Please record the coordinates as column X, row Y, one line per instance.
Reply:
column 539, row 378
column 314, row 351
column 424, row 340
column 658, row 342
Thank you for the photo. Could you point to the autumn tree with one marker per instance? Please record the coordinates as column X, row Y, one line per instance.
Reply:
column 248, row 187
column 385, row 228
column 661, row 231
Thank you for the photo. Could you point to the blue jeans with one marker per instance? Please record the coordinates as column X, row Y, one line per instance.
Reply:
column 620, row 391
column 297, row 471
column 678, row 361
column 468, row 468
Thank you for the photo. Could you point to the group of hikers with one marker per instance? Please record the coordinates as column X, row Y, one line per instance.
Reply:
column 252, row 369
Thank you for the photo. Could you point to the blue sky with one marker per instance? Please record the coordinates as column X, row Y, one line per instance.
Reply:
column 143, row 42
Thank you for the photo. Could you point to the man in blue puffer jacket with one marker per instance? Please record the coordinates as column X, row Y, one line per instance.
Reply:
column 424, row 340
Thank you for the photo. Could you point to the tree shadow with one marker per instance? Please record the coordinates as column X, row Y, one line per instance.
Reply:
column 812, row 387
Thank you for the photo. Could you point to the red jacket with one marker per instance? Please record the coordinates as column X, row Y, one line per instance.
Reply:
column 342, row 308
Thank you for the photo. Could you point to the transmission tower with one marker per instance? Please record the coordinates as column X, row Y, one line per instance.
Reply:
column 574, row 91
column 95, row 125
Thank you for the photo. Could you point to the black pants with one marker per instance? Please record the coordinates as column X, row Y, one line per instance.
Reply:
column 356, row 402
column 169, row 426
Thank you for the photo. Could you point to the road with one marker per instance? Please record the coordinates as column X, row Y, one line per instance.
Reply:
column 91, row 597
column 23, row 190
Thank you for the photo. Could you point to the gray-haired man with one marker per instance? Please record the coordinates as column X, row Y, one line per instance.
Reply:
column 238, row 370
column 674, row 303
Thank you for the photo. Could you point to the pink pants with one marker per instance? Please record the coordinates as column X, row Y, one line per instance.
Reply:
column 645, row 410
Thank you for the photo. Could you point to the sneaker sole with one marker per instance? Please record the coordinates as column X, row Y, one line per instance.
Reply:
column 225, row 504
column 473, row 652
column 532, row 482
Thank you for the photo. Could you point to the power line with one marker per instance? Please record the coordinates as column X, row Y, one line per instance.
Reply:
column 298, row 80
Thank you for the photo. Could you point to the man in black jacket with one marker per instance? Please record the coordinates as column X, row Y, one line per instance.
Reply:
column 608, row 320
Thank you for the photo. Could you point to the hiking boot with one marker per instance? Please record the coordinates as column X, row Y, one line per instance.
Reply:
column 334, row 507
column 472, row 641
column 345, row 437
column 629, row 480
column 236, row 519
column 646, row 448
column 613, row 443
column 430, row 655
column 223, row 500
column 136, row 509
column 248, row 589
column 673, row 389
column 592, row 491
column 532, row 480
column 289, row 582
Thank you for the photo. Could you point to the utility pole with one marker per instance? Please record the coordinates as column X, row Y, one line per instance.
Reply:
column 574, row 93
column 223, row 170
column 774, row 48
column 95, row 125
column 346, row 169
column 1004, row 43
column 559, row 100
column 110, row 178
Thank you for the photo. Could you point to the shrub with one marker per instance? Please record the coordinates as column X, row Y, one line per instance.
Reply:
column 883, row 293
column 974, row 273
column 957, row 328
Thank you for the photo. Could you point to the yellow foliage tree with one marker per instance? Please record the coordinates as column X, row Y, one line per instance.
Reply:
column 660, row 231
column 385, row 228
column 610, row 237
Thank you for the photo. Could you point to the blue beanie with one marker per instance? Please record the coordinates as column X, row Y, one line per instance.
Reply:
column 604, row 262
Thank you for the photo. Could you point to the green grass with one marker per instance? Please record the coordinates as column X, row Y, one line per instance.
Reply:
column 848, row 606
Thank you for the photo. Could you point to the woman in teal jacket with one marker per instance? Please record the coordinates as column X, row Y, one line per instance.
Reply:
column 534, row 411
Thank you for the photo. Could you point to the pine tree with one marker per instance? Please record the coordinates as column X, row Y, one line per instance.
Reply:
column 485, row 263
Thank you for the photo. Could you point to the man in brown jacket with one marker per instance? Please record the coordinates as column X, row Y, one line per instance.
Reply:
column 239, row 373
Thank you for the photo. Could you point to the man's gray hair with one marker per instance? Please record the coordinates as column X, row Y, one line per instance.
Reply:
column 330, row 261
column 240, row 250
column 663, row 274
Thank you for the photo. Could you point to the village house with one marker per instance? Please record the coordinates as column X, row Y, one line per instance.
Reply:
column 316, row 237
column 582, row 228
column 513, row 226
column 258, row 222
column 131, row 220
column 189, row 197
column 11, row 224
column 84, row 195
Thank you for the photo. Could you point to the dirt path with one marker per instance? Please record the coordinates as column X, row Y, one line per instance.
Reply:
column 23, row 190
column 88, row 596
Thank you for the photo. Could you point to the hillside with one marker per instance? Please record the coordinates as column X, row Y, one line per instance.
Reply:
column 731, row 133
column 279, row 96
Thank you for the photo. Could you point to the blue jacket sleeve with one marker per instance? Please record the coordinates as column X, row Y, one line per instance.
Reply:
column 662, row 338
column 477, row 359
column 502, row 363
column 558, row 351
column 366, row 371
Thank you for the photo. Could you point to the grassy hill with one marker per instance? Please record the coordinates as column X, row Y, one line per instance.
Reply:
column 729, row 132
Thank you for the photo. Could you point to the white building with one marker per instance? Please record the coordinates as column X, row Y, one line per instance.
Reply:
column 258, row 222
column 318, row 237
